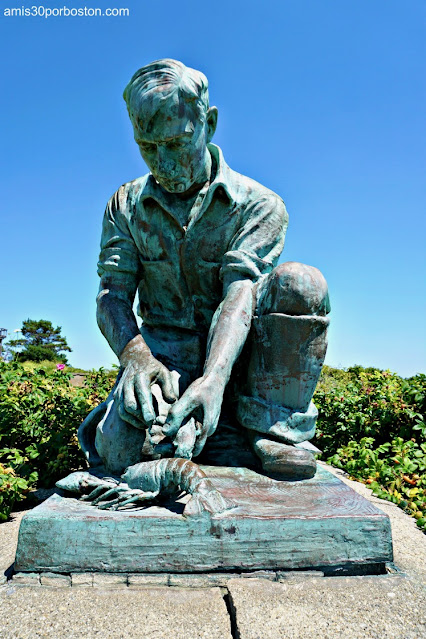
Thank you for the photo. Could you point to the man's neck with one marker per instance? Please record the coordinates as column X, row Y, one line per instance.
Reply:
column 205, row 176
column 184, row 202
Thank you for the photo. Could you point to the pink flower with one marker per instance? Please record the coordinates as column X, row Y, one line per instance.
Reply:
column 60, row 367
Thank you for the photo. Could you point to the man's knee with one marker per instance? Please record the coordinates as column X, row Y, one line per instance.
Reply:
column 294, row 289
column 118, row 444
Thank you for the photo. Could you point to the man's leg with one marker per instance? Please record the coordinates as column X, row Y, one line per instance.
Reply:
column 286, row 350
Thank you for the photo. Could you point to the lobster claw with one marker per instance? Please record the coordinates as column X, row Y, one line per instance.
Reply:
column 213, row 504
column 185, row 438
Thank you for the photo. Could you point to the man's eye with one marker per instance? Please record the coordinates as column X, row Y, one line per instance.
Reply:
column 177, row 144
column 147, row 147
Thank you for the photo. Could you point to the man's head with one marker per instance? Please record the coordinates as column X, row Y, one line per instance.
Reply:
column 168, row 104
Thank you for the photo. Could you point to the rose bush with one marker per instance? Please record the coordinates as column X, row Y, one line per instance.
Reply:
column 40, row 413
column 372, row 425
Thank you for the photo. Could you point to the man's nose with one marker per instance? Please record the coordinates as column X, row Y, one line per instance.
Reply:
column 166, row 164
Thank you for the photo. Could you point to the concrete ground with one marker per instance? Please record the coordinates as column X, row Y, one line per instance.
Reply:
column 260, row 607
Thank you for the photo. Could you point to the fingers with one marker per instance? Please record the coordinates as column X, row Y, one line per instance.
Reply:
column 207, row 428
column 143, row 391
column 211, row 419
column 125, row 397
column 134, row 397
column 183, row 409
column 128, row 417
column 179, row 411
column 164, row 379
column 200, row 442
column 129, row 398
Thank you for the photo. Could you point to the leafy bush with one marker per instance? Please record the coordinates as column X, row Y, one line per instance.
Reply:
column 50, row 367
column 395, row 471
column 372, row 425
column 39, row 416
column 12, row 489
column 368, row 402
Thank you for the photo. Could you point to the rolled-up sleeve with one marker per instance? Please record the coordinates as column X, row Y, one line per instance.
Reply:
column 255, row 248
column 119, row 253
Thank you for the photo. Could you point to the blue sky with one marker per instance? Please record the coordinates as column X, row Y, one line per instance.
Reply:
column 323, row 102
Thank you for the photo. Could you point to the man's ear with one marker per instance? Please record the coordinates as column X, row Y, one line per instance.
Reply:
column 211, row 122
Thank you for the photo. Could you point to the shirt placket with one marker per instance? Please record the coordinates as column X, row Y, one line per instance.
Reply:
column 182, row 234
column 198, row 207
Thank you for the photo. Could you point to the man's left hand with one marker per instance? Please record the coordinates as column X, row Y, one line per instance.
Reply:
column 206, row 393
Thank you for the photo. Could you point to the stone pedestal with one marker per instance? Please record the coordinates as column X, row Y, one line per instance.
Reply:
column 319, row 523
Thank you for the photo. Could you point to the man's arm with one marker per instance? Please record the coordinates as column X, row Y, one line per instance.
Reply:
column 114, row 310
column 228, row 333
column 119, row 269
column 118, row 324
column 251, row 254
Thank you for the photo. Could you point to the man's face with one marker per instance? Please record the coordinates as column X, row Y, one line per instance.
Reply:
column 173, row 142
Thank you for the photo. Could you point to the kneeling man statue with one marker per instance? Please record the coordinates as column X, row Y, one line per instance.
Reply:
column 225, row 331
column 200, row 453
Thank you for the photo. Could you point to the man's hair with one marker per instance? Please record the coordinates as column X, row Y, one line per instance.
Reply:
column 159, row 80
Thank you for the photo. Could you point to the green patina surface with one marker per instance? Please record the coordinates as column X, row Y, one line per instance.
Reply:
column 200, row 243
column 222, row 372
column 314, row 523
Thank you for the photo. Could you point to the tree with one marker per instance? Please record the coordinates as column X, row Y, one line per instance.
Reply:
column 40, row 341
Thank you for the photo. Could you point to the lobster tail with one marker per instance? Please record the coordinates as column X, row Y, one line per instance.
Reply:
column 207, row 498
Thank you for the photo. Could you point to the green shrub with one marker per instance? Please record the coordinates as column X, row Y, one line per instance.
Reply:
column 368, row 402
column 51, row 367
column 12, row 489
column 372, row 425
column 39, row 416
column 394, row 471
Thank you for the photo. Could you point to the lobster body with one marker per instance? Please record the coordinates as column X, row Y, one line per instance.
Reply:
column 148, row 480
column 167, row 474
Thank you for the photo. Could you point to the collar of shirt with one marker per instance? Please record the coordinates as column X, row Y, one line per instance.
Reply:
column 224, row 178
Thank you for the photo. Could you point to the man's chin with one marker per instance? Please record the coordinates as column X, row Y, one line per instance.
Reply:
column 173, row 187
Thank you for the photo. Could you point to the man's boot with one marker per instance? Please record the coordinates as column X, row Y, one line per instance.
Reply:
column 285, row 353
column 282, row 461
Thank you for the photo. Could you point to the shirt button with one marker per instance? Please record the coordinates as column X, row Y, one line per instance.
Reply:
column 178, row 234
column 198, row 303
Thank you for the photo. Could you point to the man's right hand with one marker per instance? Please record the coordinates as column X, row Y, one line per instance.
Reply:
column 133, row 391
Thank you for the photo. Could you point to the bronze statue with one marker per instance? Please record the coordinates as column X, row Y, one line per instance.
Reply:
column 212, row 403
column 225, row 330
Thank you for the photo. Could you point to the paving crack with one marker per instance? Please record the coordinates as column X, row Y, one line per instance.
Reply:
column 232, row 612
